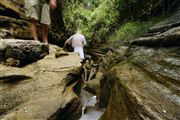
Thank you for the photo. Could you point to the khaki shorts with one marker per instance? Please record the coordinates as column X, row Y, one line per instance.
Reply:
column 38, row 10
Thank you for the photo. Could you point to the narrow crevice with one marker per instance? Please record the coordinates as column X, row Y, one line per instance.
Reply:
column 9, row 13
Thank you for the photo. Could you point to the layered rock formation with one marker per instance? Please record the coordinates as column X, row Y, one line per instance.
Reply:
column 164, row 33
column 14, row 24
column 144, row 87
column 37, row 90
column 145, row 84
column 12, row 20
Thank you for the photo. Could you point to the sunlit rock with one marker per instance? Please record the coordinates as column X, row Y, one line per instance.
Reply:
column 37, row 91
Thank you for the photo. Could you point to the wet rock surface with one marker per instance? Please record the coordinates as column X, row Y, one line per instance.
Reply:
column 36, row 91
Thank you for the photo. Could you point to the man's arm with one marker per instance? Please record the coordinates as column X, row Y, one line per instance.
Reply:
column 68, row 41
column 53, row 4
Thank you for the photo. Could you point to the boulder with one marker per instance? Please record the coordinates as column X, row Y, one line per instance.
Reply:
column 21, row 52
column 37, row 90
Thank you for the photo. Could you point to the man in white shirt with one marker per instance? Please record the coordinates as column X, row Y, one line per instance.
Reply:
column 78, row 42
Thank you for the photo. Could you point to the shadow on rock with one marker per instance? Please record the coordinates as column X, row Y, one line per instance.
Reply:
column 14, row 78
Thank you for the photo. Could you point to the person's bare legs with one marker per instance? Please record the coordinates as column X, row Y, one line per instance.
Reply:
column 33, row 28
column 44, row 29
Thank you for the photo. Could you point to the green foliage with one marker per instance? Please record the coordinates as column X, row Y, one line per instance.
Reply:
column 131, row 30
column 96, row 18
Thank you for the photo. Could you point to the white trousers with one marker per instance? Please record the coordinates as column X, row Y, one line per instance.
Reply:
column 80, row 51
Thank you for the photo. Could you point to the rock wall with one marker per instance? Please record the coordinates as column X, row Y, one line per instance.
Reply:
column 164, row 33
column 12, row 20
column 14, row 24
column 145, row 83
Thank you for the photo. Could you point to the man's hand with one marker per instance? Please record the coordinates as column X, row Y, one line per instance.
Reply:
column 53, row 4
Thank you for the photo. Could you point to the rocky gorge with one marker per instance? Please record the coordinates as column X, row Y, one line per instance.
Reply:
column 144, row 81
column 137, row 79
